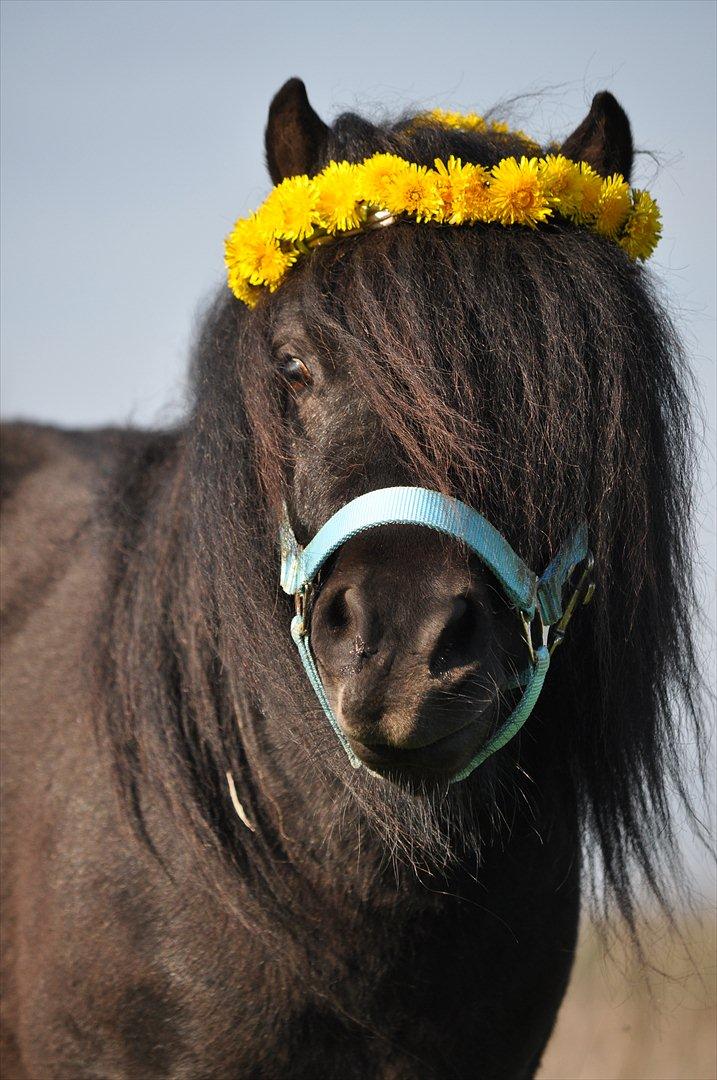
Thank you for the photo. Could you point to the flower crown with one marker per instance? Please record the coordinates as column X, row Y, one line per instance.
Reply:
column 344, row 199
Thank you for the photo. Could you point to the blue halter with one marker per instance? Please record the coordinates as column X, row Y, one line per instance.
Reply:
column 531, row 596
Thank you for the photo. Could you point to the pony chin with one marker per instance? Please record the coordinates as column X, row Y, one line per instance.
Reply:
column 422, row 825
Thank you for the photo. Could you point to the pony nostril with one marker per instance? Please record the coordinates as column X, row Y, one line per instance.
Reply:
column 459, row 642
column 462, row 621
column 336, row 611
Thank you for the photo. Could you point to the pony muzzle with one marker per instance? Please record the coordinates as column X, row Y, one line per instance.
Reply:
column 533, row 598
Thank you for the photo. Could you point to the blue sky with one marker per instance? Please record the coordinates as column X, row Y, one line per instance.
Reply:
column 132, row 138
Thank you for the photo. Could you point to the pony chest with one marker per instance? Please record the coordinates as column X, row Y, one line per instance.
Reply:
column 386, row 1001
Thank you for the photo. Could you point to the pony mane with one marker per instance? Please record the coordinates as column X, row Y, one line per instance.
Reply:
column 532, row 373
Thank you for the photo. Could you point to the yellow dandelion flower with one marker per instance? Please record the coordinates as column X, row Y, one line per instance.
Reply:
column 463, row 190
column 243, row 291
column 516, row 195
column 415, row 191
column 614, row 206
column 643, row 228
column 470, row 122
column 273, row 264
column 450, row 184
column 291, row 210
column 244, row 245
column 437, row 116
column 377, row 175
column 233, row 260
column 476, row 194
column 338, row 196
column 561, row 180
column 590, row 186
column 455, row 120
column 255, row 255
column 573, row 189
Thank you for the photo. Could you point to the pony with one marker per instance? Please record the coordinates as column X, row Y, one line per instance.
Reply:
column 196, row 881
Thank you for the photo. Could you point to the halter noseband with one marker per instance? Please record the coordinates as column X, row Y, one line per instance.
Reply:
column 529, row 595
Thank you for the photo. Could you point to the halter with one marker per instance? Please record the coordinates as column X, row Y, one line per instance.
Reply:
column 531, row 596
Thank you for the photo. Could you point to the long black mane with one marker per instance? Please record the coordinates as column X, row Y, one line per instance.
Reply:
column 533, row 373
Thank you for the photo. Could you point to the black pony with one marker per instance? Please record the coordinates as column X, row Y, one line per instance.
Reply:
column 250, row 906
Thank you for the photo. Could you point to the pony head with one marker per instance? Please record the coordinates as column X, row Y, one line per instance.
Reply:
column 528, row 370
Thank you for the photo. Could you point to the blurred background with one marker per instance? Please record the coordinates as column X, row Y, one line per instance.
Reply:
column 131, row 140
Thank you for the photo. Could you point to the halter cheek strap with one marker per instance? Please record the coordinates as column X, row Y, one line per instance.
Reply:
column 529, row 595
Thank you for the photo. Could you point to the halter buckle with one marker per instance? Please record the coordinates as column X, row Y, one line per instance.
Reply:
column 301, row 605
column 582, row 594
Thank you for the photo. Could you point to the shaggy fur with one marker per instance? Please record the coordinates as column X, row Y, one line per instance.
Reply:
column 534, row 375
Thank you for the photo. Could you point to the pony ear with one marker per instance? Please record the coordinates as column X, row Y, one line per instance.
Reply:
column 604, row 139
column 295, row 136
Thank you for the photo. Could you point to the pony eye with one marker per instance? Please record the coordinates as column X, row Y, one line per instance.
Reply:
column 296, row 373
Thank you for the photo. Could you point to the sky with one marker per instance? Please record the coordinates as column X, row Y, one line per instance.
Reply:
column 132, row 137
